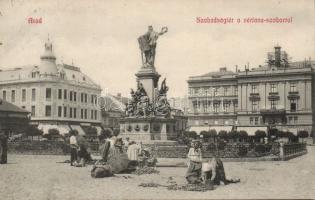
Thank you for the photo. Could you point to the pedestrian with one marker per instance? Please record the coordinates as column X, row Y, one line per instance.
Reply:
column 213, row 172
column 73, row 147
column 126, row 144
column 193, row 174
column 133, row 151
column 3, row 147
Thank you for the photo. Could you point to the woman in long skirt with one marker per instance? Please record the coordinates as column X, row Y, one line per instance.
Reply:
column 193, row 174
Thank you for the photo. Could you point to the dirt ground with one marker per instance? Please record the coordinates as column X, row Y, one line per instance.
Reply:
column 41, row 177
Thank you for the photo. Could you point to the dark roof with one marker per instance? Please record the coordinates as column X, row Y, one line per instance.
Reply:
column 219, row 73
column 9, row 107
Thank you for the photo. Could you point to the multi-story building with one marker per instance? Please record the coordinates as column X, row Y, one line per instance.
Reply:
column 280, row 94
column 213, row 98
column 57, row 95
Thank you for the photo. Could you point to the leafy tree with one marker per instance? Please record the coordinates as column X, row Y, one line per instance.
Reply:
column 243, row 135
column 259, row 134
column 52, row 134
column 233, row 135
column 33, row 131
column 223, row 134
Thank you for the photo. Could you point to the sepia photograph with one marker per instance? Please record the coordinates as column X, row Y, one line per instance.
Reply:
column 157, row 99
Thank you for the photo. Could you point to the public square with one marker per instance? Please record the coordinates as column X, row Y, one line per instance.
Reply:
column 43, row 177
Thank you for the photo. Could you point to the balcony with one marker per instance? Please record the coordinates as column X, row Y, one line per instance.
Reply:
column 272, row 111
column 293, row 95
column 254, row 97
column 273, row 96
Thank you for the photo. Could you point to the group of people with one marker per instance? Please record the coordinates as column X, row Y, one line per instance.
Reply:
column 209, row 172
column 78, row 150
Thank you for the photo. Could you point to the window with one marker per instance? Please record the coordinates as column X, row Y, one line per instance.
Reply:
column 95, row 114
column 254, row 89
column 293, row 105
column 13, row 96
column 215, row 91
column 48, row 93
column 254, row 106
column 85, row 114
column 273, row 88
column 82, row 97
column 92, row 114
column 23, row 95
column 273, row 104
column 74, row 113
column 293, row 87
column 71, row 93
column 33, row 94
column 4, row 95
column 48, row 111
column 251, row 120
column 33, row 111
column 59, row 111
column 290, row 120
column 65, row 94
column 92, row 98
column 65, row 111
column 226, row 107
column 33, row 74
column 236, row 90
column 215, row 107
column 81, row 113
column 85, row 98
column 256, row 120
column 59, row 93
column 74, row 96
column 70, row 112
column 295, row 120
column 225, row 91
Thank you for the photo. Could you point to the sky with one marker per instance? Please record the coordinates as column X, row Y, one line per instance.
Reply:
column 100, row 37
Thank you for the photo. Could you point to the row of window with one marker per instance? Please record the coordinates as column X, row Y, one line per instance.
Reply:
column 13, row 95
column 255, row 120
column 206, row 106
column 214, row 91
column 63, row 112
column 62, row 94
column 273, row 105
column 274, row 87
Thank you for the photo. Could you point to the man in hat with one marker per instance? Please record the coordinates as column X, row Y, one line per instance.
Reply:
column 193, row 174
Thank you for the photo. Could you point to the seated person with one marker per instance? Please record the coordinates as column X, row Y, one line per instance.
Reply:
column 213, row 172
column 195, row 163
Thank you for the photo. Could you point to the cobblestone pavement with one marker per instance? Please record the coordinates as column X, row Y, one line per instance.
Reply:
column 42, row 177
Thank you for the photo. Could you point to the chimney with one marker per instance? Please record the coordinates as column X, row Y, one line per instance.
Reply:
column 278, row 56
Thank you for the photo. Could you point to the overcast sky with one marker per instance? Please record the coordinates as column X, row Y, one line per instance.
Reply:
column 100, row 37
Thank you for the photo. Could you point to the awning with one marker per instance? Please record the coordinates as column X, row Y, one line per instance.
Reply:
column 45, row 127
column 251, row 129
column 63, row 129
column 99, row 130
column 221, row 128
column 198, row 129
column 78, row 128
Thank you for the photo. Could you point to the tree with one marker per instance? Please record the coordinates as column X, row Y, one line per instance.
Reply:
column 33, row 131
column 259, row 134
column 52, row 133
column 243, row 135
column 105, row 133
column 233, row 135
column 223, row 134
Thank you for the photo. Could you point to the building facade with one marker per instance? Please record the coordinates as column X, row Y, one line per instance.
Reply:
column 280, row 94
column 57, row 95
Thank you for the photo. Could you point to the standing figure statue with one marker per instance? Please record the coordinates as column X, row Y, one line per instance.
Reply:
column 147, row 43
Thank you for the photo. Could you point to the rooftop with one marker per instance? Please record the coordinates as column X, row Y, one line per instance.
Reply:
column 9, row 107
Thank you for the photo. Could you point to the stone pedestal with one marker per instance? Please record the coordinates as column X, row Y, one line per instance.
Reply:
column 149, row 79
column 148, row 129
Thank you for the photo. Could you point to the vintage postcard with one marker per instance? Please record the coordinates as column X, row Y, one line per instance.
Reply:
column 157, row 99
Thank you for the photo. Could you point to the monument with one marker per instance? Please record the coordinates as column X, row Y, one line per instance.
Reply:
column 148, row 113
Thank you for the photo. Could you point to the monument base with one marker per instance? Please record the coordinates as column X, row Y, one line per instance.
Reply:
column 148, row 129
